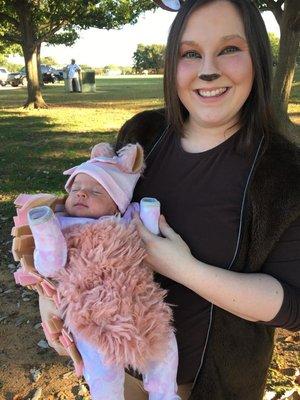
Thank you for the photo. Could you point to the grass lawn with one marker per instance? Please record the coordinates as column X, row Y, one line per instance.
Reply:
column 37, row 145
column 294, row 106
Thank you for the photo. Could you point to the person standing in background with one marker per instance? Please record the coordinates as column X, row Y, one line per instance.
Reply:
column 73, row 71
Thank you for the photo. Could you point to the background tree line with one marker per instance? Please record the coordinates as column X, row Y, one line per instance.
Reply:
column 149, row 58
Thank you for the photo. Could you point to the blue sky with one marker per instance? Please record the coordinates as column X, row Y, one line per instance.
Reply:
column 99, row 47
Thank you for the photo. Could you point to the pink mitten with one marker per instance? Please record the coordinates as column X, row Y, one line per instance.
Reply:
column 50, row 254
column 149, row 213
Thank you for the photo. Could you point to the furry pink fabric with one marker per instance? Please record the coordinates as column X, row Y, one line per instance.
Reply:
column 109, row 297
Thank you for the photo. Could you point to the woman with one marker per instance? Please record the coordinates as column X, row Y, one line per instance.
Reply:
column 229, row 186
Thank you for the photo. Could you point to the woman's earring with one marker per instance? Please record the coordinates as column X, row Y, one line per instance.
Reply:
column 169, row 5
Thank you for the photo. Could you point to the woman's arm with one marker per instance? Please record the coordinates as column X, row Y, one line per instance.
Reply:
column 283, row 263
column 254, row 297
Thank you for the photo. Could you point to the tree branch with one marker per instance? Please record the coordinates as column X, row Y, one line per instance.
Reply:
column 51, row 32
column 11, row 39
column 275, row 8
column 60, row 24
column 7, row 18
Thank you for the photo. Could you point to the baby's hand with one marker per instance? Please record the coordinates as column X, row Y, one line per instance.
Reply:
column 149, row 214
column 168, row 254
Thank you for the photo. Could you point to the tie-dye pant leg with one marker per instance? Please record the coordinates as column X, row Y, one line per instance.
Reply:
column 160, row 379
column 105, row 382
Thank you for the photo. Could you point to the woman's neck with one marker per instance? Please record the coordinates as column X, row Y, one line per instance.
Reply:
column 200, row 138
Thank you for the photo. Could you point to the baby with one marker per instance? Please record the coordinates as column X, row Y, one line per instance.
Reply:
column 106, row 294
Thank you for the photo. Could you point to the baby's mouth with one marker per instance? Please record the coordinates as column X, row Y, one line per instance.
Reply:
column 212, row 93
column 80, row 205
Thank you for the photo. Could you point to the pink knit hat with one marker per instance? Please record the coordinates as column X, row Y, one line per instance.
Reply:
column 117, row 173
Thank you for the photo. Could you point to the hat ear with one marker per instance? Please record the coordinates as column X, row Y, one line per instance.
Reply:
column 138, row 165
column 170, row 5
column 131, row 158
column 102, row 150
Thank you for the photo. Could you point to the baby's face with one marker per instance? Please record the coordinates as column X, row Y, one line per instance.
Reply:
column 87, row 198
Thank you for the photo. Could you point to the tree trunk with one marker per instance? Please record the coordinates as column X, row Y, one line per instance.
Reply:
column 39, row 65
column 289, row 44
column 35, row 98
column 29, row 46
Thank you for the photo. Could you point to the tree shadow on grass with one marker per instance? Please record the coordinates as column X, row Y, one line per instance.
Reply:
column 294, row 115
column 33, row 157
column 125, row 105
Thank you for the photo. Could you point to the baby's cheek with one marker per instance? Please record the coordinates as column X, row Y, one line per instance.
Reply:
column 68, row 205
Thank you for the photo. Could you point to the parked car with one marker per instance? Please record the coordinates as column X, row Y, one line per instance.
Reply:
column 17, row 78
column 49, row 75
column 3, row 76
column 59, row 74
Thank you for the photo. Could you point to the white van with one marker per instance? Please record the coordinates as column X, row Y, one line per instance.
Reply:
column 3, row 76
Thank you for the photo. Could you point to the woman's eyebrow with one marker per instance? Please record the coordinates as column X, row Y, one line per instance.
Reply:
column 227, row 37
column 189, row 42
column 235, row 36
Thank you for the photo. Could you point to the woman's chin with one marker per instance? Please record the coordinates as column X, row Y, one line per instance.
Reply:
column 215, row 120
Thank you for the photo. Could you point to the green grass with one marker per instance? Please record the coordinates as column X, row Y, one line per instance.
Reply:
column 294, row 106
column 37, row 145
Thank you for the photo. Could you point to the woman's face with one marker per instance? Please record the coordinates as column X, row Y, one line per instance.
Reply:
column 214, row 42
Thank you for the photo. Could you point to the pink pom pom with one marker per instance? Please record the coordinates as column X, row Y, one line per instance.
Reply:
column 102, row 150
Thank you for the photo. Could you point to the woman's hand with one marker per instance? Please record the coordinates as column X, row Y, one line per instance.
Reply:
column 254, row 297
column 48, row 310
column 169, row 255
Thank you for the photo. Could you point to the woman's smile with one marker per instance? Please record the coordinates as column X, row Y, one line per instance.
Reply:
column 212, row 95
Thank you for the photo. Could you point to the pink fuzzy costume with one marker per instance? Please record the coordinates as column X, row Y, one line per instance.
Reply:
column 111, row 304
column 115, row 310
column 107, row 295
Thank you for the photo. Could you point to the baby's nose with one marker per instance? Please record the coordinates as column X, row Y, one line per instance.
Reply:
column 82, row 193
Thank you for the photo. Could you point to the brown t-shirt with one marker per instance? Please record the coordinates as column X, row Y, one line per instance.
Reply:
column 201, row 196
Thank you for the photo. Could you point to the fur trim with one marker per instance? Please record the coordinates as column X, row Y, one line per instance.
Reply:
column 109, row 297
column 153, row 123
